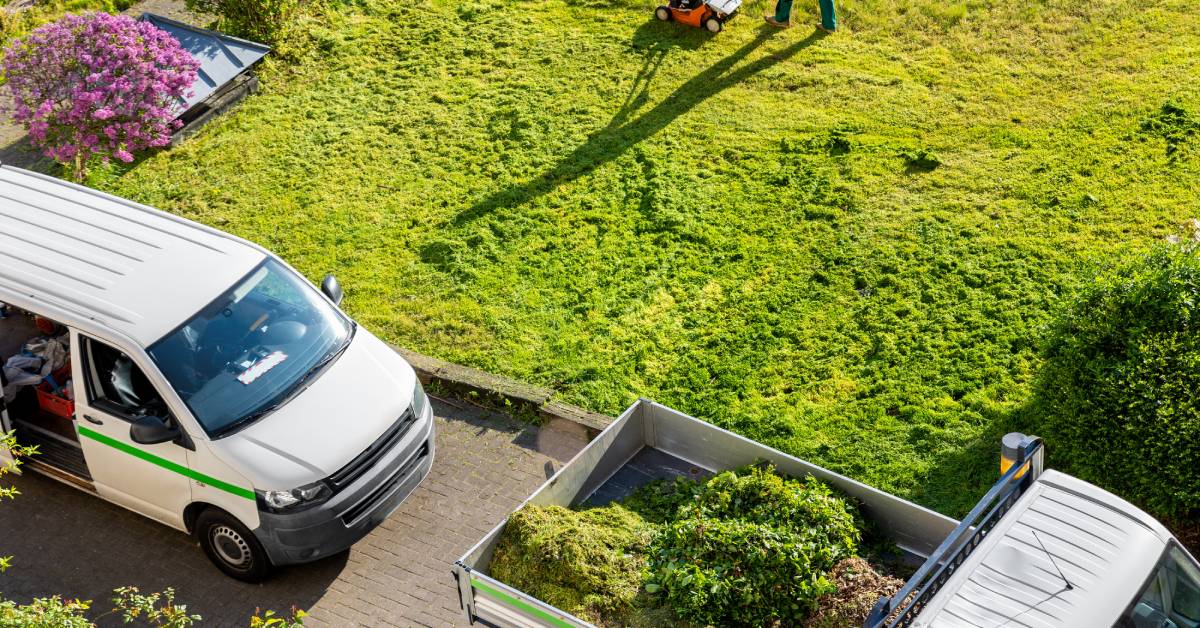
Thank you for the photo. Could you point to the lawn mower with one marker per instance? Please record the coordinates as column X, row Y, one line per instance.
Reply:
column 708, row 14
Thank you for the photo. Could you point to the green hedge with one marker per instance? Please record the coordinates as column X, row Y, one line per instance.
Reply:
column 1119, row 392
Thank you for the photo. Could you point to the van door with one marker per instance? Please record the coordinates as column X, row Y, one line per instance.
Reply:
column 149, row 479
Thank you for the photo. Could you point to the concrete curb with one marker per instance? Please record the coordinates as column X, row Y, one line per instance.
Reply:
column 507, row 393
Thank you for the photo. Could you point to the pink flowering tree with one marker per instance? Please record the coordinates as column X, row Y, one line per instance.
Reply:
column 97, row 86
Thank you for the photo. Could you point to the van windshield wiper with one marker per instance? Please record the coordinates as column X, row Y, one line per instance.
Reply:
column 315, row 370
column 247, row 420
column 296, row 388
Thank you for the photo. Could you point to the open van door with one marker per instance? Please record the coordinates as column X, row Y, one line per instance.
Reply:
column 5, row 424
column 117, row 406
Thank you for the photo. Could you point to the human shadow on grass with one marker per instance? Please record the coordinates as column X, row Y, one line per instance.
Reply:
column 622, row 133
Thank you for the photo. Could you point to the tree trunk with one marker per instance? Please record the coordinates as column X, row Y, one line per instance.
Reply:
column 80, row 170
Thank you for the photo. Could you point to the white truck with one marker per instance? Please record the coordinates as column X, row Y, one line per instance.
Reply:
column 197, row 379
column 1040, row 550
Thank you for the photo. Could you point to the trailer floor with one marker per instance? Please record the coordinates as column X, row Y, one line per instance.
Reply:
column 647, row 465
column 66, row 542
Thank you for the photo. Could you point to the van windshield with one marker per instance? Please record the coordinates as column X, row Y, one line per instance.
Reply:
column 250, row 350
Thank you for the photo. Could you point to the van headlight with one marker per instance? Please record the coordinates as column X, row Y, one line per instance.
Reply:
column 420, row 400
column 295, row 499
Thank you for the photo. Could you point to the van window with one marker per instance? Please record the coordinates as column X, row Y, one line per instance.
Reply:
column 117, row 386
column 247, row 352
column 1171, row 598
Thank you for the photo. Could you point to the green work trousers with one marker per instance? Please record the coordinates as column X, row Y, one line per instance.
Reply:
column 783, row 12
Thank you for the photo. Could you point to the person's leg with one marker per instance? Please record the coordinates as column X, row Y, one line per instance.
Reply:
column 828, row 16
column 783, row 12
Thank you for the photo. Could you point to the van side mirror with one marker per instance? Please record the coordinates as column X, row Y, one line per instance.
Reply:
column 332, row 289
column 151, row 430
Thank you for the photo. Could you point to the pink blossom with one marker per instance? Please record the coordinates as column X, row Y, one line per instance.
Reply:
column 97, row 84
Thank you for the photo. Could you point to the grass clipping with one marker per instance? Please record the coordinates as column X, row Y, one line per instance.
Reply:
column 859, row 587
column 586, row 562
column 746, row 547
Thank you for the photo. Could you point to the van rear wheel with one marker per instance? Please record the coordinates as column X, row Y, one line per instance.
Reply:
column 231, row 547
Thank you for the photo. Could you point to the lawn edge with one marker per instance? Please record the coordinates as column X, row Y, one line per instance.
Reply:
column 523, row 400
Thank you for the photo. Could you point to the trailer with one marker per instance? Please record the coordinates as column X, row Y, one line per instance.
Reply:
column 1041, row 549
column 650, row 441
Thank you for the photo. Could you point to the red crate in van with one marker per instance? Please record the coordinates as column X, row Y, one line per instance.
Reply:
column 52, row 403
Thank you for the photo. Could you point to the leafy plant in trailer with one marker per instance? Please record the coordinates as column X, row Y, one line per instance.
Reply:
column 752, row 548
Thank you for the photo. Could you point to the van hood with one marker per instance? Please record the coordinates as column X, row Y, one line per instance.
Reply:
column 322, row 429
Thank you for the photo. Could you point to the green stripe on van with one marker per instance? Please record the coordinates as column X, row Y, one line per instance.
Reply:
column 514, row 602
column 166, row 464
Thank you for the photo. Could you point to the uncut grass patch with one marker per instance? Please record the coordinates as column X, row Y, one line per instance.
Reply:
column 17, row 22
column 749, row 227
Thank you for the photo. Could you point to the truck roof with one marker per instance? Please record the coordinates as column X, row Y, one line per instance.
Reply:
column 132, row 268
column 1061, row 527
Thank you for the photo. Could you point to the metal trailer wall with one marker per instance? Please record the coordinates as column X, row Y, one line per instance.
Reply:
column 913, row 528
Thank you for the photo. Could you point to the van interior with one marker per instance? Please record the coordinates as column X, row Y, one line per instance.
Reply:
column 38, row 395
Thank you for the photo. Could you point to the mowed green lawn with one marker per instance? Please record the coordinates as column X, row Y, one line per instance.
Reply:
column 842, row 246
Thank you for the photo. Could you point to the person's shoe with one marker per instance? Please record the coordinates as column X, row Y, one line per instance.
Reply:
column 770, row 19
column 827, row 31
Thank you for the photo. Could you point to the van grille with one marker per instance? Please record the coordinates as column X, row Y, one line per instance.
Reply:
column 381, row 492
column 367, row 459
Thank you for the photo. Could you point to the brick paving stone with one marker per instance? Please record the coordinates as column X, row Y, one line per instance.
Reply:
column 66, row 542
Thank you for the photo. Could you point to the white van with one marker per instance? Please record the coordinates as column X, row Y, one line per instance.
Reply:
column 197, row 379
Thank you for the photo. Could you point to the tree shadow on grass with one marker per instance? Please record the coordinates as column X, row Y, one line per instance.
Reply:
column 622, row 133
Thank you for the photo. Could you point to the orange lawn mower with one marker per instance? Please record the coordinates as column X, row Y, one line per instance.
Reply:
column 707, row 14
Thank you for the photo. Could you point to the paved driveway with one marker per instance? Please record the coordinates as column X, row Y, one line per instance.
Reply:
column 64, row 541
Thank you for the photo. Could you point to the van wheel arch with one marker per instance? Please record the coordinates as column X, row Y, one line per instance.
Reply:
column 192, row 513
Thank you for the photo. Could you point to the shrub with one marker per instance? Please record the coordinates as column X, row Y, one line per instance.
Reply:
column 588, row 563
column 156, row 609
column 97, row 86
column 50, row 611
column 8, row 442
column 752, row 548
column 266, row 21
column 1117, row 391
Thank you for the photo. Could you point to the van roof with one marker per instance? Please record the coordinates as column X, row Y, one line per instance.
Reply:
column 1067, row 554
column 132, row 268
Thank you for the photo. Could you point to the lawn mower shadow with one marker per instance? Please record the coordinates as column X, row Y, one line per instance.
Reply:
column 622, row 133
column 657, row 37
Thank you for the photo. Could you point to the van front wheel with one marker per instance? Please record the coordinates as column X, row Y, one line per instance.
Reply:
column 231, row 547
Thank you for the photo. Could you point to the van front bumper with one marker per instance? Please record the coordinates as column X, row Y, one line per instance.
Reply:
column 325, row 529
